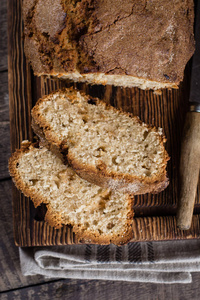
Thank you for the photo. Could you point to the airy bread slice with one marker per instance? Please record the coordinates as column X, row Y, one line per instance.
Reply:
column 103, row 145
column 97, row 215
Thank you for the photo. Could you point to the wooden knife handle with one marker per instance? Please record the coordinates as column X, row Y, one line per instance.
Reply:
column 189, row 169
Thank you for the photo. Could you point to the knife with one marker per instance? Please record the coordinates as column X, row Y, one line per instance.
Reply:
column 190, row 147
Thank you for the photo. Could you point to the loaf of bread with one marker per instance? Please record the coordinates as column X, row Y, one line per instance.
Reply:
column 97, row 215
column 124, row 43
column 103, row 145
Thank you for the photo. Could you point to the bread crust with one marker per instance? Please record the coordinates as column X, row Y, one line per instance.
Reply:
column 127, row 183
column 100, row 175
column 93, row 40
column 55, row 219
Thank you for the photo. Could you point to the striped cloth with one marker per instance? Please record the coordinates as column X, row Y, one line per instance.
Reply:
column 158, row 262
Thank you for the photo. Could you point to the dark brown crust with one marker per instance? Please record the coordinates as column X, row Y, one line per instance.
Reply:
column 90, row 36
column 56, row 220
column 100, row 175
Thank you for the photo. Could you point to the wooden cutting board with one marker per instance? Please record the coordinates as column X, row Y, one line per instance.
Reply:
column 154, row 214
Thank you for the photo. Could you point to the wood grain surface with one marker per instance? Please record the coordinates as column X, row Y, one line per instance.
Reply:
column 4, row 126
column 3, row 36
column 100, row 290
column 154, row 213
column 4, row 103
column 13, row 285
column 11, row 276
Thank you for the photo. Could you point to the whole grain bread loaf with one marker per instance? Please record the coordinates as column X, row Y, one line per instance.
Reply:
column 97, row 215
column 124, row 43
column 103, row 145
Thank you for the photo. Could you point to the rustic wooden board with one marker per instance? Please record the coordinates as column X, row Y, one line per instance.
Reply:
column 154, row 218
column 13, row 285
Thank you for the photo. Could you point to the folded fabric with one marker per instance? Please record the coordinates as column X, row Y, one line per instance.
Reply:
column 158, row 262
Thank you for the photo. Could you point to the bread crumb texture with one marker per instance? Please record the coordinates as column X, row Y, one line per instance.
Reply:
column 96, row 214
column 104, row 145
column 124, row 43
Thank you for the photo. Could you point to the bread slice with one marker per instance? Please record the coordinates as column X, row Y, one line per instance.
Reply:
column 97, row 215
column 124, row 43
column 103, row 145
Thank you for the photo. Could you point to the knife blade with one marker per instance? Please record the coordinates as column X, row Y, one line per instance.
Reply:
column 190, row 147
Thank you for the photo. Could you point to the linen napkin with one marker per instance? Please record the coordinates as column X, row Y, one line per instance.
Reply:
column 157, row 262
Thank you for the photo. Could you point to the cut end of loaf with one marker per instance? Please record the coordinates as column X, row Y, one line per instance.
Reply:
column 105, row 146
column 116, row 80
column 96, row 214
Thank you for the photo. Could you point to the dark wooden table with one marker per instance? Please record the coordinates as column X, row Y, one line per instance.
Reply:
column 13, row 285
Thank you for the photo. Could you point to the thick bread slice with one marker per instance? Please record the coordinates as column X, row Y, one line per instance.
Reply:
column 103, row 145
column 97, row 215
